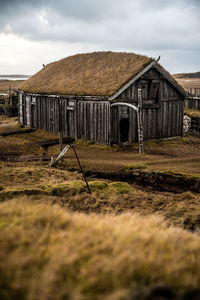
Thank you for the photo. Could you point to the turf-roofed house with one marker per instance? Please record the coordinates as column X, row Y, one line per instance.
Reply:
column 94, row 96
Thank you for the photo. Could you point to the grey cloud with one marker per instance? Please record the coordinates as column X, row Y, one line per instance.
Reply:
column 155, row 25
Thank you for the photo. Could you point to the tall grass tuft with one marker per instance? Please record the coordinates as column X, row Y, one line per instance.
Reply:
column 49, row 253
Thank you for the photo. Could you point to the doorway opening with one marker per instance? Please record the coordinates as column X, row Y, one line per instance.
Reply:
column 124, row 130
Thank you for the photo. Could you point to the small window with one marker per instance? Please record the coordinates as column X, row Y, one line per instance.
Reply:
column 154, row 90
column 144, row 87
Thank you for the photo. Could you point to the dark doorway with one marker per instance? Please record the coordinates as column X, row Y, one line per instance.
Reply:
column 124, row 130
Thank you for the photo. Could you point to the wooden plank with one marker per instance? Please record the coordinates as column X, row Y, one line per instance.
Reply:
column 92, row 133
column 51, row 115
column 88, row 121
column 109, row 125
column 16, row 132
column 75, row 120
column 28, row 110
column 154, row 124
column 106, row 123
column 103, row 120
column 181, row 118
column 60, row 156
column 174, row 120
column 150, row 123
column 169, row 131
column 99, row 122
column 39, row 112
column 118, row 125
column 48, row 114
column 80, row 116
column 85, row 121
column 140, row 122
column 20, row 108
column 95, row 122
column 164, row 113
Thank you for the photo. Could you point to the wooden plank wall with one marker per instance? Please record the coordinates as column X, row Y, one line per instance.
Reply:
column 161, row 119
column 172, row 119
column 93, row 121
column 88, row 120
column 158, row 123
column 192, row 103
column 194, row 92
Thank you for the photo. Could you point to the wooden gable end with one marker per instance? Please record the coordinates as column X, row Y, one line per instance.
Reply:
column 155, row 87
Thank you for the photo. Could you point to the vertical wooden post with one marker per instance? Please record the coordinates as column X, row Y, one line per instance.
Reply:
column 110, row 138
column 60, row 135
column 60, row 141
column 10, row 96
column 10, row 91
column 140, row 122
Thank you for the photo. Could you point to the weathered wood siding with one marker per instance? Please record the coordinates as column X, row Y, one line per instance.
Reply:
column 88, row 120
column 93, row 121
column 91, row 118
column 192, row 103
column 162, row 108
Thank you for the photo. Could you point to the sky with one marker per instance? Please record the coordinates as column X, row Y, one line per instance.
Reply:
column 37, row 32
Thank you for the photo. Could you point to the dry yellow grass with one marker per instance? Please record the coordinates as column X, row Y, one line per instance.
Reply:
column 49, row 253
column 98, row 73
column 188, row 83
column 192, row 112
column 5, row 84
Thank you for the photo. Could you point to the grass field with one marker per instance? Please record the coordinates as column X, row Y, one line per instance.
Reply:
column 124, row 241
column 188, row 83
column 5, row 84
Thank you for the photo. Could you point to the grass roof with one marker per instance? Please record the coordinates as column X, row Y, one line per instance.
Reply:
column 98, row 73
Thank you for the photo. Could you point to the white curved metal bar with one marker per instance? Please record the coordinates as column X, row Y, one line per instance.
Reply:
column 126, row 104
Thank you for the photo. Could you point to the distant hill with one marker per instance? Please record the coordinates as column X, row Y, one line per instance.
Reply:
column 188, row 75
column 16, row 76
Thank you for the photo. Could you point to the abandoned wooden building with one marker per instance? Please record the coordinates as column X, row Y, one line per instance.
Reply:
column 94, row 96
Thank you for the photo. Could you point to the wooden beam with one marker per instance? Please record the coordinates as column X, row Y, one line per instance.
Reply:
column 126, row 104
column 140, row 122
column 60, row 156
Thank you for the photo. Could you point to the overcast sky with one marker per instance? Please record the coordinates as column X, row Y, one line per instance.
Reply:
column 36, row 32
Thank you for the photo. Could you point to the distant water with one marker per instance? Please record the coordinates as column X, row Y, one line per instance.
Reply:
column 13, row 78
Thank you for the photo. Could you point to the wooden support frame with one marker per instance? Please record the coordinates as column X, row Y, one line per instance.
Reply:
column 61, row 155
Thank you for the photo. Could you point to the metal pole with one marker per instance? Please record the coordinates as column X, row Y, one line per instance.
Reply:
column 140, row 122
column 81, row 168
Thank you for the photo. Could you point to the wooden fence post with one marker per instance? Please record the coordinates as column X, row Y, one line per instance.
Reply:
column 60, row 134
column 140, row 122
